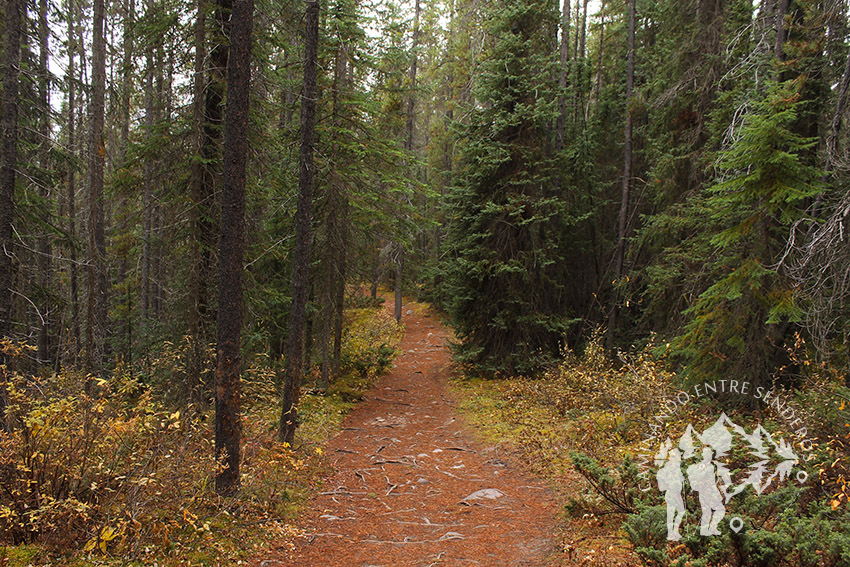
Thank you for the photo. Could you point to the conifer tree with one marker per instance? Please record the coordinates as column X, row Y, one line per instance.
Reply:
column 738, row 324
column 506, row 279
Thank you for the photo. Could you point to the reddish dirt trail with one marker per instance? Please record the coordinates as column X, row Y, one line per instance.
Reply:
column 402, row 467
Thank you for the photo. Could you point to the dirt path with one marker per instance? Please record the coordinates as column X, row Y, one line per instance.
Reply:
column 404, row 469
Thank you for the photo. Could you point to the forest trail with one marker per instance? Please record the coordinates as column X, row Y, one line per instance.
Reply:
column 410, row 487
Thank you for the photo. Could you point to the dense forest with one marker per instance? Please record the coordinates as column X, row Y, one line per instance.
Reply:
column 193, row 194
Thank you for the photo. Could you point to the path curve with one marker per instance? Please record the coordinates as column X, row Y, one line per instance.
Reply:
column 404, row 466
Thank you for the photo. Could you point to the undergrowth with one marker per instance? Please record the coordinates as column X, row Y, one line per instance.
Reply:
column 585, row 425
column 124, row 476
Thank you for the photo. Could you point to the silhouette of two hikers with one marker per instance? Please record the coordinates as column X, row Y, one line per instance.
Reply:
column 702, row 477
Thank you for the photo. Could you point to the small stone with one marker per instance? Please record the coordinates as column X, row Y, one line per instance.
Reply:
column 484, row 494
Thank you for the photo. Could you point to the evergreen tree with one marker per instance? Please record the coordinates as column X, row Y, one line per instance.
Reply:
column 506, row 278
column 737, row 326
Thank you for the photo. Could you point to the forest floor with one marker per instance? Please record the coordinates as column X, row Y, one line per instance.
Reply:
column 411, row 486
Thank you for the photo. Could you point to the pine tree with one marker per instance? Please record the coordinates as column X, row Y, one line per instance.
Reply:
column 228, row 370
column 295, row 339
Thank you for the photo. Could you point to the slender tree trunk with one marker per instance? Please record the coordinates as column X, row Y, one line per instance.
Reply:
column 335, row 247
column 622, row 223
column 126, row 90
column 309, row 320
column 154, row 252
column 96, row 270
column 8, row 161
column 227, row 391
column 376, row 274
column 72, row 178
column 601, row 50
column 210, row 153
column 581, row 64
column 781, row 34
column 399, row 272
column 147, row 201
column 408, row 146
column 339, row 291
column 560, row 127
column 45, row 264
column 337, row 230
column 196, row 301
column 295, row 340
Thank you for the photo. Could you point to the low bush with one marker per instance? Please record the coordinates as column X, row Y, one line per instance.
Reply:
column 125, row 472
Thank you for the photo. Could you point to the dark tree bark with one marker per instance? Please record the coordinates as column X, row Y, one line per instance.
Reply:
column 8, row 160
column 295, row 338
column 147, row 199
column 204, row 184
column 128, row 46
column 622, row 221
column 199, row 221
column 96, row 274
column 227, row 390
column 72, row 178
column 581, row 65
column 601, row 49
column 408, row 146
column 779, row 40
column 45, row 264
column 337, row 203
column 560, row 127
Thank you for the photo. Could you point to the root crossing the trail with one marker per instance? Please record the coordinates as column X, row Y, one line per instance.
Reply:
column 411, row 488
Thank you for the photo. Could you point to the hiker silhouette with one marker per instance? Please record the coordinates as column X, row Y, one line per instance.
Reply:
column 702, row 477
column 671, row 483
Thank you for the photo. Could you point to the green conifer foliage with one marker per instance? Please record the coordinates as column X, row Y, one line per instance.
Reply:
column 738, row 324
column 505, row 276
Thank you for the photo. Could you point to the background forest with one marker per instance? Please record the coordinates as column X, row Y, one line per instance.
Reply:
column 193, row 191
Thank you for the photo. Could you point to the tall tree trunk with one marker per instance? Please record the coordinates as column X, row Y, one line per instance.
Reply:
column 228, row 367
column 408, row 146
column 295, row 339
column 601, row 49
column 72, row 178
column 126, row 90
column 45, row 264
column 560, row 127
column 339, row 290
column 338, row 230
column 781, row 33
column 622, row 221
column 199, row 256
column 96, row 271
column 8, row 161
column 155, row 259
column 147, row 199
column 581, row 64
column 204, row 227
column 399, row 273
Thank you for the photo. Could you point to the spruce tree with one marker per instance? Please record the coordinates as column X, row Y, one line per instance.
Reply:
column 504, row 276
column 737, row 326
